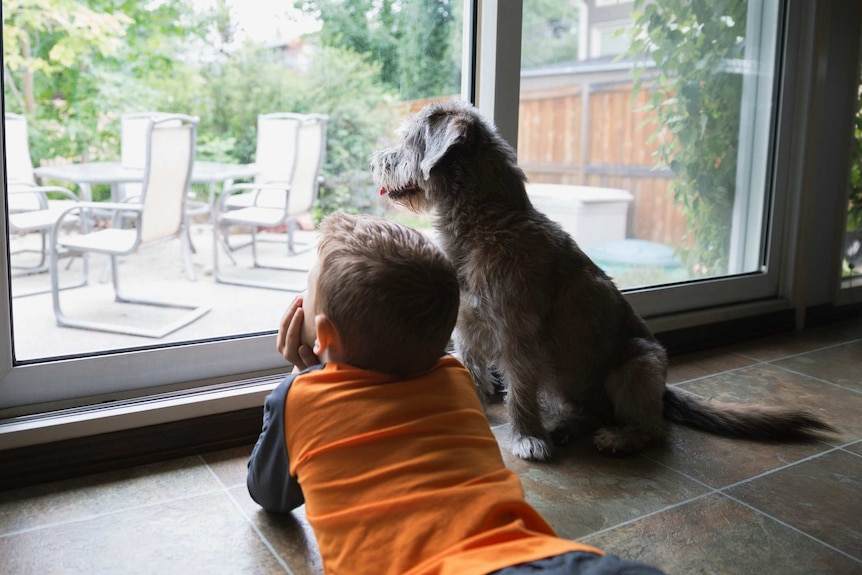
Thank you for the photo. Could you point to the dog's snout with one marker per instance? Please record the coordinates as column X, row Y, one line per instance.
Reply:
column 383, row 160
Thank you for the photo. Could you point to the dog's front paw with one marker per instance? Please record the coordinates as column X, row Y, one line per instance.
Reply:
column 531, row 448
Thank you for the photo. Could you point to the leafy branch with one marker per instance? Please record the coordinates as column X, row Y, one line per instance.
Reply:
column 695, row 99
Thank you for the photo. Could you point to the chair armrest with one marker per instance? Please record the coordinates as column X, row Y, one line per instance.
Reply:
column 247, row 187
column 113, row 206
column 45, row 189
column 240, row 188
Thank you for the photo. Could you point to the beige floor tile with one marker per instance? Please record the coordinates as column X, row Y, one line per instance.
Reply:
column 822, row 497
column 791, row 343
column 855, row 448
column 290, row 535
column 196, row 535
column 768, row 385
column 229, row 465
column 716, row 535
column 841, row 364
column 80, row 498
column 701, row 364
column 581, row 491
column 719, row 461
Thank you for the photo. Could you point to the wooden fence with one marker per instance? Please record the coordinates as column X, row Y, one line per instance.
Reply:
column 610, row 149
column 603, row 142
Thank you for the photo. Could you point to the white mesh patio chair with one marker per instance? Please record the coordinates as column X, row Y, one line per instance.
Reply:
column 30, row 210
column 133, row 155
column 274, row 157
column 158, row 216
column 133, row 146
column 273, row 204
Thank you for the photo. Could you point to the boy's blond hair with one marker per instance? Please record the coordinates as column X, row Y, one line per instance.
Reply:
column 390, row 292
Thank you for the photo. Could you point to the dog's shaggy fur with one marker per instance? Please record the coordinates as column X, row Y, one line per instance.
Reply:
column 572, row 353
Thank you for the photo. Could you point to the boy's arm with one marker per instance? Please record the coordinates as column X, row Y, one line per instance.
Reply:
column 269, row 481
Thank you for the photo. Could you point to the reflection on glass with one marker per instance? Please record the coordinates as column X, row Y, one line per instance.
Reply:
column 852, row 256
column 650, row 142
column 79, row 73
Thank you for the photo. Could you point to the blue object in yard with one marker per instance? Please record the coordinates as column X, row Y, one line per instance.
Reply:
column 638, row 262
column 630, row 252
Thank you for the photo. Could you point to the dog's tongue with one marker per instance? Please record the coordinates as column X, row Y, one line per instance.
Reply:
column 382, row 191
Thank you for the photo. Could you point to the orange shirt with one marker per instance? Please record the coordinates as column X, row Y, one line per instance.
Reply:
column 406, row 477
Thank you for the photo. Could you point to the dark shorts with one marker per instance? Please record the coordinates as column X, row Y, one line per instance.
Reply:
column 579, row 563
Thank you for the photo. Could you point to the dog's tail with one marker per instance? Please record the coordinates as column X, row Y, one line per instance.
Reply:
column 757, row 423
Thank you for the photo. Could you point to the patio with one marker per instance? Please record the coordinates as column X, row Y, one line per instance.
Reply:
column 155, row 271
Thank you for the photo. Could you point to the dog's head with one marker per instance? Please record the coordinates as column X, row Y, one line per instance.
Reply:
column 443, row 150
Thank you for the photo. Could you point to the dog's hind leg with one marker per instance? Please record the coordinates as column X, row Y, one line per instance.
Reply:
column 636, row 390
column 477, row 359
column 524, row 374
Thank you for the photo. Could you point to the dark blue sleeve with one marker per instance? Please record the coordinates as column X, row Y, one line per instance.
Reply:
column 269, row 481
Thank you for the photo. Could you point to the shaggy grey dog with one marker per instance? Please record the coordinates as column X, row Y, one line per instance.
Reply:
column 573, row 355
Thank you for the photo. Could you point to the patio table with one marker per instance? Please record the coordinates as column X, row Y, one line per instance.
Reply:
column 114, row 174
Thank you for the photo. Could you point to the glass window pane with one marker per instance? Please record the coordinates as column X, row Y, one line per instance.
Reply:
column 256, row 75
column 852, row 260
column 651, row 145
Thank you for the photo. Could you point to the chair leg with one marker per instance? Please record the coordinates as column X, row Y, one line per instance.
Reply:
column 193, row 311
column 291, row 248
column 55, row 288
column 42, row 266
column 45, row 266
column 254, row 246
column 220, row 243
column 187, row 249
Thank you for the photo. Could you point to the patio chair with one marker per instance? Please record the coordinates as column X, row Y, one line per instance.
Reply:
column 133, row 155
column 158, row 215
column 273, row 203
column 275, row 156
column 44, row 222
column 30, row 208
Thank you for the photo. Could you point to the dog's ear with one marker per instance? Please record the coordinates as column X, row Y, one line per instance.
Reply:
column 440, row 136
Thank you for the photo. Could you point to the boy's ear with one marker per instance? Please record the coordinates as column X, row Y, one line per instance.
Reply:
column 327, row 336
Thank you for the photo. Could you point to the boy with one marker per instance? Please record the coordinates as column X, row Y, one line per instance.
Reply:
column 399, row 470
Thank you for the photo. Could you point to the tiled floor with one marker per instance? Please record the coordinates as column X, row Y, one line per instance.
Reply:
column 700, row 504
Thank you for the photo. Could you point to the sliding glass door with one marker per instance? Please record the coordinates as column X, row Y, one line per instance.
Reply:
column 657, row 133
column 651, row 132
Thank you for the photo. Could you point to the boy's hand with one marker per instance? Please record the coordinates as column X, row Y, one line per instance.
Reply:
column 289, row 343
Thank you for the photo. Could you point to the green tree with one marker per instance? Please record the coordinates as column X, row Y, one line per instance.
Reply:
column 230, row 93
column 414, row 42
column 428, row 58
column 696, row 105
column 88, row 61
column 73, row 66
